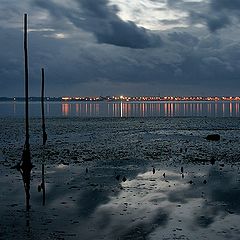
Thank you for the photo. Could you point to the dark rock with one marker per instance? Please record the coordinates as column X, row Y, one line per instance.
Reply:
column 205, row 181
column 181, row 169
column 164, row 175
column 212, row 160
column 93, row 184
column 229, row 211
column 88, row 159
column 124, row 179
column 153, row 170
column 213, row 137
column 118, row 177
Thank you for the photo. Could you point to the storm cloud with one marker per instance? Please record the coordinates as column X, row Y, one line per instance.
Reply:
column 215, row 14
column 220, row 14
column 101, row 19
column 89, row 48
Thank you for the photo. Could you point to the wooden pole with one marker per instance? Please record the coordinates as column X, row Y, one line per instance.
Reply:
column 43, row 112
column 26, row 165
column 44, row 137
column 26, row 81
column 42, row 102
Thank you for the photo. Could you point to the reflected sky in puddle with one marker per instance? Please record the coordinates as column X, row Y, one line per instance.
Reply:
column 153, row 207
column 204, row 204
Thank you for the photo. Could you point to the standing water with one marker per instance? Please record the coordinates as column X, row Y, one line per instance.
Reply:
column 124, row 109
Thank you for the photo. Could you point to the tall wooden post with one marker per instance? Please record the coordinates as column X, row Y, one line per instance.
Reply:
column 43, row 112
column 26, row 81
column 26, row 165
column 44, row 136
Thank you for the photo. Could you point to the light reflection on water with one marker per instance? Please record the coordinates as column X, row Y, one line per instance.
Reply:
column 124, row 109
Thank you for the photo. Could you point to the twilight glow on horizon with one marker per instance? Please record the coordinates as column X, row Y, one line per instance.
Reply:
column 119, row 47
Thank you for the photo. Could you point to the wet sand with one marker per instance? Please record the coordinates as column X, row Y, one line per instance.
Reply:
column 124, row 179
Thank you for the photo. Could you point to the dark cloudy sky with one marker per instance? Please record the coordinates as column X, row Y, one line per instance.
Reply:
column 108, row 47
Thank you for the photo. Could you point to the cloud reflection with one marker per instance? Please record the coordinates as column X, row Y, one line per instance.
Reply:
column 220, row 195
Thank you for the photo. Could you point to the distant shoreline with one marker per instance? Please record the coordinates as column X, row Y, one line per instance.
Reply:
column 124, row 99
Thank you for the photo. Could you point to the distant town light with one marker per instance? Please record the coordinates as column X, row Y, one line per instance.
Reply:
column 150, row 98
column 66, row 98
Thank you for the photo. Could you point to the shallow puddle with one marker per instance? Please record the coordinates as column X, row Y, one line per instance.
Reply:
column 124, row 201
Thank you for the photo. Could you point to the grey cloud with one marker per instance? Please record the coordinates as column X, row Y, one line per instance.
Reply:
column 101, row 19
column 216, row 14
column 187, row 6
column 128, row 35
column 11, row 68
column 213, row 61
column 215, row 21
column 78, row 65
column 169, row 22
column 75, row 67
column 183, row 38
column 226, row 4
column 222, row 13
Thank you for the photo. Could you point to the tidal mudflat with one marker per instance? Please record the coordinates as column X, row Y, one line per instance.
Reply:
column 124, row 178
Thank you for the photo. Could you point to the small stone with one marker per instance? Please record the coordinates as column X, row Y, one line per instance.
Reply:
column 118, row 177
column 213, row 137
column 230, row 212
column 212, row 160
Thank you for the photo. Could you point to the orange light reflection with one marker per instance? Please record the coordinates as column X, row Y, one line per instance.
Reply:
column 65, row 109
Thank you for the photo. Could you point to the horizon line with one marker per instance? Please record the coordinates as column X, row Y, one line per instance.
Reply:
column 127, row 98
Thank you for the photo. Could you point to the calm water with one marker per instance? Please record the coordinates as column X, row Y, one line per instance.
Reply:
column 124, row 109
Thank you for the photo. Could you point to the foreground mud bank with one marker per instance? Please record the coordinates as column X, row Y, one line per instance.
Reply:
column 124, row 179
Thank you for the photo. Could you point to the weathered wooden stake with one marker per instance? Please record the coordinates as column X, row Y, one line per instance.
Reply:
column 26, row 165
column 26, row 79
column 44, row 137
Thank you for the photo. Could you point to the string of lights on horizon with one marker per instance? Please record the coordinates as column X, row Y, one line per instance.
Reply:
column 128, row 98
column 153, row 98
